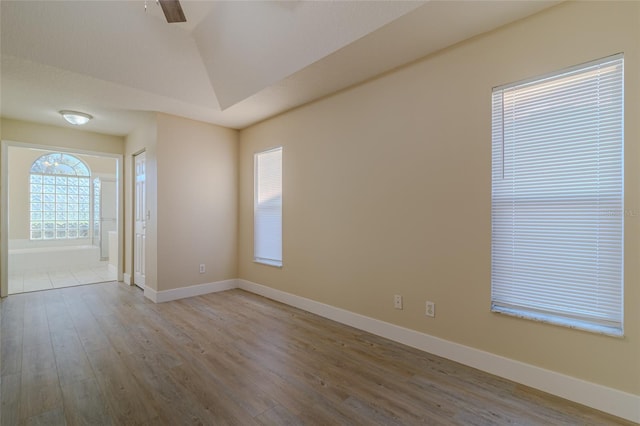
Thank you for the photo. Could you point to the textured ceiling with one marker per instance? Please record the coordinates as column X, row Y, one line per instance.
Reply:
column 233, row 63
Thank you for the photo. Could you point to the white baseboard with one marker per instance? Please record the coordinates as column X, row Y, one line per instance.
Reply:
column 151, row 294
column 190, row 291
column 126, row 278
column 612, row 401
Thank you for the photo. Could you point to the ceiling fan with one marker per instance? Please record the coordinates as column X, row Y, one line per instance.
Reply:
column 172, row 10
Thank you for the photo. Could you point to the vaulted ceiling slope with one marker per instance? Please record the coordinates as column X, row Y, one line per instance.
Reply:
column 233, row 63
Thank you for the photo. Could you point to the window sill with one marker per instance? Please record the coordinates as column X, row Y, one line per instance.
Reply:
column 274, row 263
column 607, row 330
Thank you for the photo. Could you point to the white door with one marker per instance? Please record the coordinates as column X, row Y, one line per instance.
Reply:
column 140, row 209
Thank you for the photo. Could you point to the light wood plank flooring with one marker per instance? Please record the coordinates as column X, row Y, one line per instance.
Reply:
column 102, row 354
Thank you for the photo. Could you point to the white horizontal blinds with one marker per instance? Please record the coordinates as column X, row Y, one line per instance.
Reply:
column 268, row 207
column 557, row 198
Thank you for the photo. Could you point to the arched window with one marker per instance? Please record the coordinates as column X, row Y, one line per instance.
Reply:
column 59, row 195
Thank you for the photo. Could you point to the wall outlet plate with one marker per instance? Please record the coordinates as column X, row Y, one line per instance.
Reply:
column 430, row 309
column 397, row 301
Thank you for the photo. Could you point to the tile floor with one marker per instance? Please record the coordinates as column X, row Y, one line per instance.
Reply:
column 67, row 277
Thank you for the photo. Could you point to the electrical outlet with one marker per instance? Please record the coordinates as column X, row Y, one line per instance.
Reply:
column 397, row 301
column 430, row 310
column 202, row 269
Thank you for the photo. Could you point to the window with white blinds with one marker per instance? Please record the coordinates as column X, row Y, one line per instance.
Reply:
column 267, row 214
column 557, row 207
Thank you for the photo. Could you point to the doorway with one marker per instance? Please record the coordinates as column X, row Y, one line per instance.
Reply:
column 140, row 219
column 61, row 218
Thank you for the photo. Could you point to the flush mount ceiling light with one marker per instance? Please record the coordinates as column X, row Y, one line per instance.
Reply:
column 76, row 118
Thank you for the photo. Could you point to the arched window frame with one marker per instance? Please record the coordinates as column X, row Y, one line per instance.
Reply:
column 59, row 195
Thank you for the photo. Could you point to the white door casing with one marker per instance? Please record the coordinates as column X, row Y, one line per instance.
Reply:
column 106, row 213
column 140, row 213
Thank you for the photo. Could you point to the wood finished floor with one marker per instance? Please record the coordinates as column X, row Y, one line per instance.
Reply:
column 102, row 354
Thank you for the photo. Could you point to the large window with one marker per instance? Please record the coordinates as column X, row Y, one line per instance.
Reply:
column 557, row 198
column 268, row 207
column 59, row 198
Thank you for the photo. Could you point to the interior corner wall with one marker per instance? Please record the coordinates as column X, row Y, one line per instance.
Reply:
column 197, row 202
column 387, row 190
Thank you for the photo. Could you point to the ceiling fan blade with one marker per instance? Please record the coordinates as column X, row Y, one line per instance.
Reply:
column 172, row 11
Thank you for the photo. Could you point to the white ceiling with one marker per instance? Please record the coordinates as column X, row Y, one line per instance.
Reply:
column 233, row 63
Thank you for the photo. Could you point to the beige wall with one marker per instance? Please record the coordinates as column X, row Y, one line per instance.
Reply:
column 197, row 202
column 387, row 190
column 43, row 134
column 19, row 165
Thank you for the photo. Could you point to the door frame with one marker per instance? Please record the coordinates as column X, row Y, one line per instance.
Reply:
column 4, row 201
column 132, row 260
column 109, row 179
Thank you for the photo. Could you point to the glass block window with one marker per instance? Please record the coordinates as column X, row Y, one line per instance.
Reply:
column 59, row 197
column 96, row 208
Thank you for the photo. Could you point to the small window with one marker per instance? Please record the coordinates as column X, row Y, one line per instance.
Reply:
column 557, row 198
column 59, row 198
column 268, row 207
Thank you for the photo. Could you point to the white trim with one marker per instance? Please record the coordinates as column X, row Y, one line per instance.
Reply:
column 600, row 397
column 150, row 294
column 190, row 291
column 274, row 263
column 126, row 278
